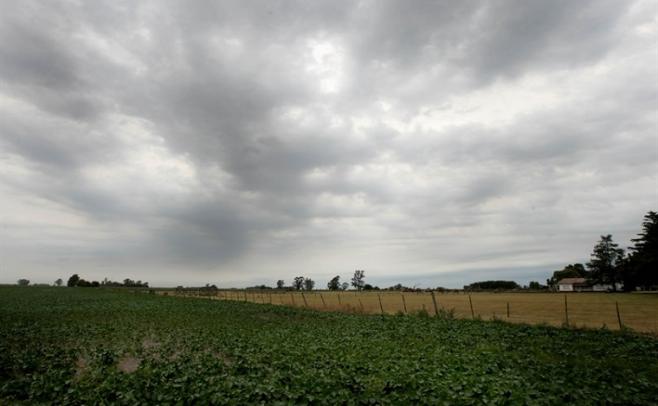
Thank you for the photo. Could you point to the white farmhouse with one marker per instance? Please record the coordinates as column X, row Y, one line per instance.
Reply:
column 581, row 285
column 573, row 285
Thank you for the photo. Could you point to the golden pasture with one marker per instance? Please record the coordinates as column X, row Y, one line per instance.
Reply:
column 637, row 311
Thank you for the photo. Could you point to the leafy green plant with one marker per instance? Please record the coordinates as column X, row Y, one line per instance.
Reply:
column 448, row 314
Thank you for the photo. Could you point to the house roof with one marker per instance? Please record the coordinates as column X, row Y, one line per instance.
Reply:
column 572, row 281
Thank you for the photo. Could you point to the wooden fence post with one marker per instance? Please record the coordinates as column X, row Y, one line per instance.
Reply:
column 324, row 304
column 436, row 308
column 566, row 311
column 305, row 302
column 470, row 301
column 361, row 304
column 404, row 303
column 292, row 296
column 381, row 307
column 339, row 302
column 508, row 310
column 621, row 326
column 270, row 297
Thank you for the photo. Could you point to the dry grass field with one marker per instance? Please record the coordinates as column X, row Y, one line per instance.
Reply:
column 637, row 311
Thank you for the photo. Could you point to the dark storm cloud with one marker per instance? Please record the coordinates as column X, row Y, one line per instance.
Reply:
column 518, row 35
column 231, row 136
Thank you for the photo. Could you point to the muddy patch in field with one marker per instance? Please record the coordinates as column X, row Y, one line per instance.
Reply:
column 81, row 366
column 226, row 360
column 149, row 344
column 128, row 364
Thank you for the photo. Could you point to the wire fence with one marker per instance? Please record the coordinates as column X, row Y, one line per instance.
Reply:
column 593, row 310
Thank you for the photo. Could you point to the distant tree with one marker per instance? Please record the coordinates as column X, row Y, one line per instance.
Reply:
column 334, row 283
column 298, row 283
column 259, row 287
column 606, row 259
column 358, row 279
column 492, row 285
column 129, row 283
column 569, row 271
column 640, row 269
column 368, row 286
column 280, row 284
column 73, row 280
column 208, row 290
column 534, row 285
column 309, row 284
column 59, row 282
column 400, row 287
column 344, row 286
column 23, row 282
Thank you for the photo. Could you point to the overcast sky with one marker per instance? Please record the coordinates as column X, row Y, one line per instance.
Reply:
column 236, row 143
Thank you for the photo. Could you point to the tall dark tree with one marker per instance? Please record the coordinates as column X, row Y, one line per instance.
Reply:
column 641, row 267
column 605, row 265
column 358, row 279
column 73, row 280
column 309, row 284
column 280, row 284
column 298, row 282
column 334, row 283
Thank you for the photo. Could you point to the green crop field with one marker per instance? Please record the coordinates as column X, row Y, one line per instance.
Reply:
column 91, row 346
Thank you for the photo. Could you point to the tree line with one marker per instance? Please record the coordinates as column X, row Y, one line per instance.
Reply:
column 304, row 283
column 76, row 281
column 633, row 269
